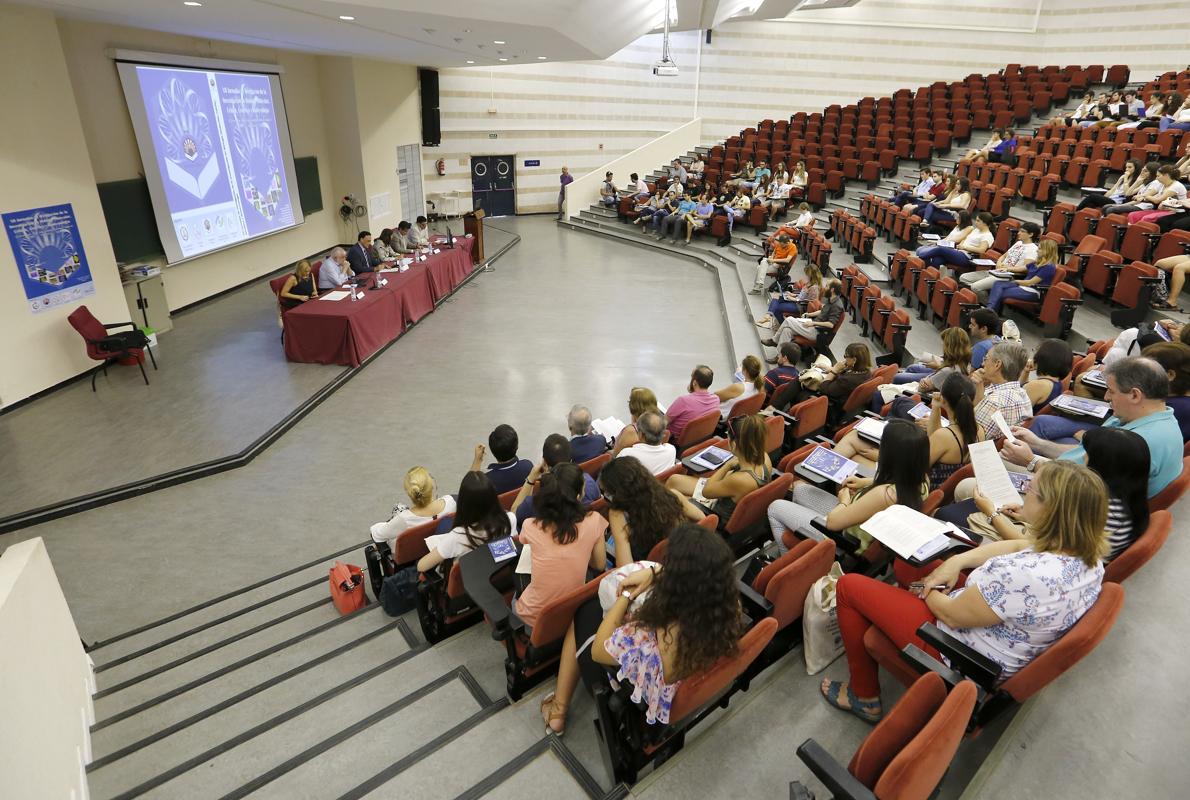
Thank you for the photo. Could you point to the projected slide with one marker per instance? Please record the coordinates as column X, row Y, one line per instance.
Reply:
column 220, row 145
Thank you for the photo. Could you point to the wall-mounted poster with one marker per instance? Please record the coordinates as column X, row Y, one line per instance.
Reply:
column 49, row 255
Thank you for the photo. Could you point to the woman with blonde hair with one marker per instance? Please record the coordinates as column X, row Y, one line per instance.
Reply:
column 1039, row 275
column 640, row 401
column 749, row 381
column 793, row 300
column 298, row 287
column 1021, row 596
column 932, row 371
column 420, row 488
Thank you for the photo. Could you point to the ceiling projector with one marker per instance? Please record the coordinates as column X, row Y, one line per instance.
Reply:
column 665, row 69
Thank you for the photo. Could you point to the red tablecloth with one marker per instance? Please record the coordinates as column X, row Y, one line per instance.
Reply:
column 346, row 332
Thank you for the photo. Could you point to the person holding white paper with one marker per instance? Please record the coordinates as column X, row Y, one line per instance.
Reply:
column 735, row 479
column 641, row 400
column 1021, row 596
column 901, row 478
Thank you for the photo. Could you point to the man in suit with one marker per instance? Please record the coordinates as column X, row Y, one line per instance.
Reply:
column 403, row 241
column 361, row 256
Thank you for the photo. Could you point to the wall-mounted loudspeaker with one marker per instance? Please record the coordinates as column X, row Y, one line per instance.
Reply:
column 431, row 123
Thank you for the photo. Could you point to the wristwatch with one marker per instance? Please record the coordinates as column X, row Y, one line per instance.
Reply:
column 627, row 595
column 1033, row 462
column 994, row 514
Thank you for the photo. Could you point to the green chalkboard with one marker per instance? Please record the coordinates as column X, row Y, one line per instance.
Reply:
column 133, row 228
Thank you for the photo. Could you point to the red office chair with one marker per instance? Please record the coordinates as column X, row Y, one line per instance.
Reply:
column 126, row 347
column 1174, row 491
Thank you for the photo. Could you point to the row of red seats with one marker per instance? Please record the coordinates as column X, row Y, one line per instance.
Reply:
column 1168, row 82
column 858, row 238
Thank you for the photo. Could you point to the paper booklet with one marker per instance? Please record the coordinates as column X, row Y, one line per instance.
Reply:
column 608, row 427
column 930, row 237
column 335, row 296
column 991, row 476
column 870, row 428
column 1082, row 406
column 911, row 534
column 711, row 458
column 829, row 464
column 1095, row 378
column 502, row 549
column 983, row 262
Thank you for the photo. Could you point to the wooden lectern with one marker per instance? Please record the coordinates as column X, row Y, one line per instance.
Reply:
column 473, row 224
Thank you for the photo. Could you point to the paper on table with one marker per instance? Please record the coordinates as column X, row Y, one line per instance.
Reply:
column 991, row 476
column 335, row 296
column 608, row 427
column 1002, row 424
column 524, row 564
column 909, row 533
column 983, row 262
column 871, row 428
column 391, row 269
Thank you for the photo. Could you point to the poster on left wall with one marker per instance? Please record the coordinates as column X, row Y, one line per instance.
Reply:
column 49, row 255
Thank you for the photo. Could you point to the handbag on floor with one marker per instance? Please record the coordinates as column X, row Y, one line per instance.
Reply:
column 399, row 592
column 347, row 587
column 822, row 641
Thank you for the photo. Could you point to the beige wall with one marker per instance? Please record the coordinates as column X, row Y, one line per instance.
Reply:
column 43, row 161
column 114, row 155
column 388, row 103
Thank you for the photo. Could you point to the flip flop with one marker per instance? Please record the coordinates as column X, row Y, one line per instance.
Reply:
column 831, row 689
column 1166, row 307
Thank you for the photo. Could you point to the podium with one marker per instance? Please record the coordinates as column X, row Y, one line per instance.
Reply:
column 473, row 224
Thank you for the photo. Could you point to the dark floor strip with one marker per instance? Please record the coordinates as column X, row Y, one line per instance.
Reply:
column 432, row 746
column 505, row 772
column 219, row 673
column 207, row 625
column 339, row 737
column 476, row 690
column 177, row 662
column 238, row 698
column 268, row 724
column 584, row 779
column 207, row 603
column 410, row 637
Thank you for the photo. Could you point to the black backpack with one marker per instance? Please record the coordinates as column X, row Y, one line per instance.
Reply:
column 398, row 594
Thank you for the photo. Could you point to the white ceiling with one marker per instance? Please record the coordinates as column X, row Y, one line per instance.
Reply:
column 442, row 33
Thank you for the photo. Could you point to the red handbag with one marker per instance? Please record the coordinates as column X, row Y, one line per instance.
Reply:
column 347, row 587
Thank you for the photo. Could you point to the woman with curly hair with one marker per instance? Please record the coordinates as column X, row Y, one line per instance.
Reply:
column 641, row 512
column 689, row 620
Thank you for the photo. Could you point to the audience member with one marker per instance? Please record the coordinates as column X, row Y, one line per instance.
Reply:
column 689, row 620
column 931, row 372
column 1174, row 358
column 508, row 472
column 998, row 388
column 1125, row 186
column 554, row 452
column 641, row 511
column 609, row 195
column 983, row 328
column 791, row 299
column 360, row 256
column 585, row 444
column 640, row 401
column 673, row 224
column 697, row 402
column 919, row 192
column 651, row 450
column 478, row 519
column 677, row 171
column 419, row 487
column 1163, row 186
column 901, row 478
column 810, row 324
column 335, row 270
column 784, row 251
column 1038, row 275
column 700, row 217
column 639, row 187
column 1121, row 458
column 946, row 209
column 735, row 479
column 785, row 373
column 298, row 287
column 750, row 381
column 854, row 368
column 959, row 257
column 1020, row 598
column 962, row 228
column 564, row 539
column 1052, row 362
column 1015, row 260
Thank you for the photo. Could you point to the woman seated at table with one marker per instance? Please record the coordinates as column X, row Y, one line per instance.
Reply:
column 298, row 287
column 420, row 487
column 564, row 538
column 384, row 247
column 641, row 512
column 1020, row 598
column 735, row 479
column 1051, row 363
column 752, row 372
column 902, row 477
column 640, row 401
column 948, row 443
column 972, row 246
column 791, row 299
column 479, row 519
column 689, row 619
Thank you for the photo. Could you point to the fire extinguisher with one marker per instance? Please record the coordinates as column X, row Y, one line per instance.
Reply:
column 440, row 166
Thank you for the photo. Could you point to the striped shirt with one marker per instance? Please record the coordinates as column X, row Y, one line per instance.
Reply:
column 1010, row 399
column 1119, row 528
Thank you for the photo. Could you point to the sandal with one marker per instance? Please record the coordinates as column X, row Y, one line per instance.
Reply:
column 1165, row 306
column 869, row 711
column 549, row 715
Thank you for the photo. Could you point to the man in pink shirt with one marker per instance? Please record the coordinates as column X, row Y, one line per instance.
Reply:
column 697, row 402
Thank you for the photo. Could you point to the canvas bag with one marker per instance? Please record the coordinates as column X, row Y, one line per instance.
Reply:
column 813, row 376
column 347, row 587
column 822, row 641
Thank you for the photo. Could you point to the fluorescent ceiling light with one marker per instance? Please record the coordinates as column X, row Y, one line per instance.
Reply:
column 470, row 62
column 497, row 41
column 504, row 59
column 541, row 58
column 346, row 18
column 192, row 3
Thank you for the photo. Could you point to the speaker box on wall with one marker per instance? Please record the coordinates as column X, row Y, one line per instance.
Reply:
column 431, row 124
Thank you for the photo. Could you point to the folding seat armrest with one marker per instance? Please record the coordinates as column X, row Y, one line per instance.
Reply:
column 969, row 306
column 867, row 412
column 974, row 665
column 110, row 325
column 1083, row 258
column 923, row 662
column 790, row 418
column 754, row 601
column 1115, row 267
column 841, row 783
column 885, row 312
column 823, row 439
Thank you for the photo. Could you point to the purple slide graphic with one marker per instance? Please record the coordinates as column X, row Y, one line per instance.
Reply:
column 185, row 137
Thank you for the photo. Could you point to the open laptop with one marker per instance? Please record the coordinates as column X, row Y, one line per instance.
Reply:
column 450, row 238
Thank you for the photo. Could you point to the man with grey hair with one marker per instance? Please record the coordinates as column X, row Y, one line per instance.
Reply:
column 998, row 388
column 652, row 450
column 585, row 444
column 335, row 270
column 1136, row 389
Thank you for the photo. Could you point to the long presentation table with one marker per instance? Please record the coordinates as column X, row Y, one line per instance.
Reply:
column 347, row 332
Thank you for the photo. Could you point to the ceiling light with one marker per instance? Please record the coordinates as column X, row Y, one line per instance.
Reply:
column 346, row 18
column 504, row 59
column 497, row 41
column 541, row 58
column 470, row 62
column 192, row 3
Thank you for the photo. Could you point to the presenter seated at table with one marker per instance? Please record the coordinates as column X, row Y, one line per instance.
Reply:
column 335, row 270
column 299, row 287
column 419, row 234
column 403, row 241
column 360, row 256
column 383, row 246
